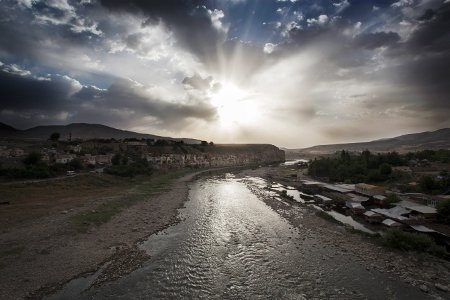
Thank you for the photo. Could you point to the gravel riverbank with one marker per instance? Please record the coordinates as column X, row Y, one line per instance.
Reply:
column 51, row 251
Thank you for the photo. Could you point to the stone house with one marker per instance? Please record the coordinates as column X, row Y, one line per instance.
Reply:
column 64, row 158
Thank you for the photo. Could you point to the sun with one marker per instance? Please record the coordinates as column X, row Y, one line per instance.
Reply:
column 234, row 105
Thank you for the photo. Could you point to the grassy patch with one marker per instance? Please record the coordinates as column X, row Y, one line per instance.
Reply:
column 406, row 241
column 33, row 200
column 102, row 214
column 287, row 171
column 105, row 211
column 162, row 182
column 12, row 249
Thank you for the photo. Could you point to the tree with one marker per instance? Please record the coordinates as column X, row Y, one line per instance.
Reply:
column 115, row 160
column 161, row 143
column 345, row 156
column 443, row 210
column 392, row 198
column 366, row 156
column 76, row 164
column 385, row 169
column 204, row 143
column 426, row 183
column 55, row 136
column 33, row 158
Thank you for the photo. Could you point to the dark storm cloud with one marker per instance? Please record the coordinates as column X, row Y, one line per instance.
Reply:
column 433, row 33
column 338, row 48
column 27, row 98
column 426, row 54
column 21, row 91
column 126, row 95
column 189, row 20
column 429, row 13
column 44, row 33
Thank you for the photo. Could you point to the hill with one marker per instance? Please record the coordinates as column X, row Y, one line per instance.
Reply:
column 81, row 131
column 439, row 139
column 7, row 131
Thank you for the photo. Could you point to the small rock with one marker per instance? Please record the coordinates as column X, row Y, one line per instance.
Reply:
column 134, row 229
column 64, row 212
column 441, row 287
column 424, row 288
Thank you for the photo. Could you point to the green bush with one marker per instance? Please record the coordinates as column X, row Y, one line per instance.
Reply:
column 392, row 198
column 140, row 167
column 443, row 210
column 405, row 241
column 32, row 158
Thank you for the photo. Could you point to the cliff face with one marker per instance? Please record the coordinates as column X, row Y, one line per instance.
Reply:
column 215, row 156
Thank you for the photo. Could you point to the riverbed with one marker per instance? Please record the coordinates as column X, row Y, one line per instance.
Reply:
column 231, row 245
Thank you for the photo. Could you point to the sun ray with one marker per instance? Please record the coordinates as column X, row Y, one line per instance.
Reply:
column 235, row 106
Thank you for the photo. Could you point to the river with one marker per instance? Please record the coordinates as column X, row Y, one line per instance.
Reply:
column 231, row 245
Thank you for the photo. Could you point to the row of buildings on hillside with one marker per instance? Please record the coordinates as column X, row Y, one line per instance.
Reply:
column 169, row 157
column 410, row 211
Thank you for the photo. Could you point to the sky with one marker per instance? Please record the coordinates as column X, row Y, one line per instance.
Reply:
column 293, row 73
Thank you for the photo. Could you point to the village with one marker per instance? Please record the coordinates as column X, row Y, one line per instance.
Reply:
column 371, row 208
column 98, row 155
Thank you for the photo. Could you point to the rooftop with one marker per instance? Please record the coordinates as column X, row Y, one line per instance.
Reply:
column 395, row 212
column 417, row 207
column 336, row 188
column 371, row 214
column 390, row 222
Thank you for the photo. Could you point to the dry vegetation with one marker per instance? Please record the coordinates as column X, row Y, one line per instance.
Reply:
column 28, row 201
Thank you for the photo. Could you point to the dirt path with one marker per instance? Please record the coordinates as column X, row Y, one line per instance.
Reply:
column 39, row 256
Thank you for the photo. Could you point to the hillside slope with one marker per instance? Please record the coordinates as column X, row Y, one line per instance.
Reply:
column 81, row 131
column 439, row 139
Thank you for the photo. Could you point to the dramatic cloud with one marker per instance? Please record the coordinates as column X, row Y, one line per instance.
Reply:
column 36, row 97
column 289, row 72
column 376, row 40
column 197, row 28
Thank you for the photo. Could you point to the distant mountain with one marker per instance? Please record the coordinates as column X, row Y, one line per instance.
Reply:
column 6, row 130
column 82, row 131
column 439, row 139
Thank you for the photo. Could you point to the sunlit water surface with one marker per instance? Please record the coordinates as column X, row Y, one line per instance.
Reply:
column 231, row 245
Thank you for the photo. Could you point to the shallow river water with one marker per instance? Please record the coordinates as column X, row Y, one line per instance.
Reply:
column 231, row 245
